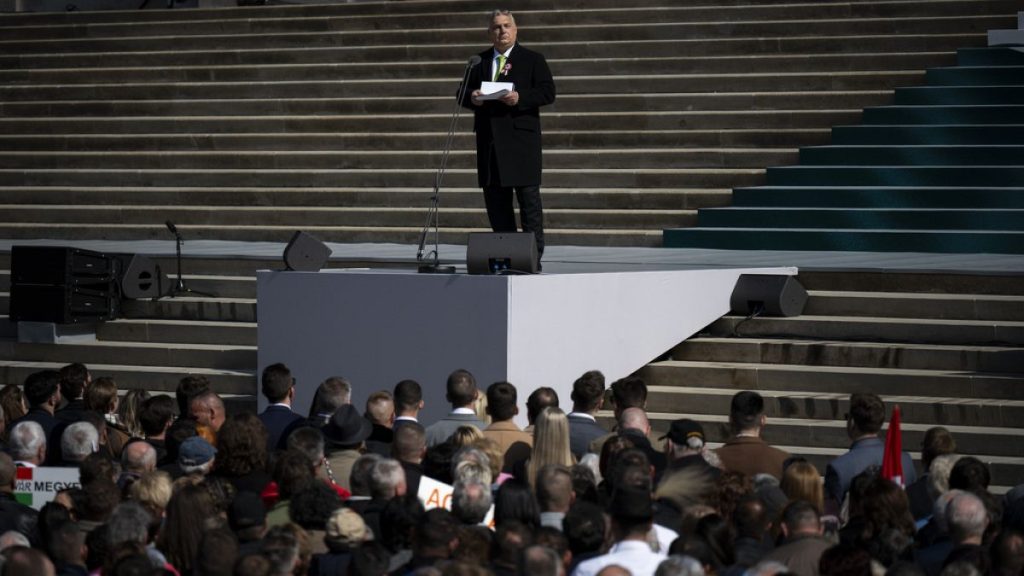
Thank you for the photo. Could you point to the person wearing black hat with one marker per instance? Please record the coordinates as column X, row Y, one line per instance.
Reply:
column 345, row 434
column 684, row 448
column 632, row 513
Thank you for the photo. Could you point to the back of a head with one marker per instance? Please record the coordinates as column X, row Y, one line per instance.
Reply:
column 936, row 442
column 386, row 477
column 408, row 395
column 969, row 473
column 281, row 549
column 275, row 382
column 680, row 565
column 26, row 439
column 309, row 442
column 436, row 530
column 79, row 440
column 40, row 386
column 501, row 401
column 966, row 517
column 745, row 411
column 800, row 516
column 360, row 475
column 101, row 497
column 867, row 411
column 541, row 561
column 333, row 393
column 312, row 505
column 634, row 419
column 380, row 408
column 188, row 388
column 515, row 501
column 584, row 526
column 587, row 391
column 629, row 392
column 461, row 389
column 138, row 457
column 540, row 399
column 156, row 415
column 409, row 442
column 751, row 517
column 73, row 379
column 129, row 522
column 22, row 561
column 471, row 500
column 554, row 488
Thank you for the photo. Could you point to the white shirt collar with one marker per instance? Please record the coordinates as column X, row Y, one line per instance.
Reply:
column 584, row 415
column 495, row 53
column 463, row 411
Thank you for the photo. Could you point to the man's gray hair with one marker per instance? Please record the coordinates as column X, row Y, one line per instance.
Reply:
column 309, row 442
column 78, row 441
column 471, row 500
column 138, row 459
column 385, row 476
column 129, row 522
column 470, row 454
column 496, row 13
column 966, row 517
column 939, row 509
column 766, row 568
column 938, row 474
column 679, row 565
column 542, row 561
column 359, row 478
column 472, row 470
column 26, row 439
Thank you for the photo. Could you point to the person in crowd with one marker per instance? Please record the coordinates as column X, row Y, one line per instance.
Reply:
column 13, row 406
column 541, row 398
column 555, row 494
column 74, row 379
column 515, row 501
column 155, row 418
column 278, row 387
column 28, row 444
column 101, row 398
column 79, row 440
column 13, row 514
column 409, row 448
column 471, row 501
column 408, row 396
column 632, row 513
column 802, row 544
column 753, row 527
column 461, row 392
column 380, row 411
column 802, row 481
column 129, row 410
column 746, row 451
column 137, row 458
column 207, row 409
column 387, row 481
column 331, row 394
column 968, row 519
column 188, row 513
column 188, row 388
column 242, row 452
column 42, row 393
column 587, row 398
column 196, row 456
column 345, row 435
column 937, row 442
column 634, row 424
column 550, row 443
column 515, row 444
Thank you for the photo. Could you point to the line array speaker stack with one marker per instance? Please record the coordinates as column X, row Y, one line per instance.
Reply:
column 63, row 285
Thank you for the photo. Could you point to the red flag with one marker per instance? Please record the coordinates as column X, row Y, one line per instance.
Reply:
column 892, row 461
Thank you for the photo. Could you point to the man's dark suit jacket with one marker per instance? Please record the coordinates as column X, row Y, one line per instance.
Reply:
column 278, row 421
column 583, row 431
column 514, row 131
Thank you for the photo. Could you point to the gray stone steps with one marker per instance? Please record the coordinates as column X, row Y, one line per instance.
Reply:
column 850, row 42
column 178, row 332
column 447, row 69
column 880, row 329
column 465, row 178
column 208, row 357
column 155, row 378
column 553, row 140
column 736, row 376
column 442, row 104
column 342, row 234
column 919, row 412
column 465, row 27
column 851, row 354
column 614, row 158
column 434, row 123
column 554, row 198
column 301, row 217
column 906, row 282
column 206, row 309
column 372, row 88
column 902, row 305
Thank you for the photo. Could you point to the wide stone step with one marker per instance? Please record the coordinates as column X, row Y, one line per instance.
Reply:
column 342, row 32
column 340, row 234
column 840, row 353
column 878, row 329
column 926, row 282
column 409, row 106
column 902, row 305
column 211, row 357
column 553, row 140
column 554, row 198
column 959, row 95
column 473, row 216
column 184, row 308
column 1001, row 114
column 994, row 219
column 913, row 155
column 370, row 88
column 736, row 376
column 989, row 56
column 880, row 196
column 178, row 332
column 976, row 76
column 947, row 175
column 460, row 178
column 365, row 124
column 929, row 241
column 623, row 158
column 157, row 378
column 102, row 72
column 920, row 135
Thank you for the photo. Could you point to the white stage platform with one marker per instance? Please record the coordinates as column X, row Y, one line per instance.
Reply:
column 377, row 327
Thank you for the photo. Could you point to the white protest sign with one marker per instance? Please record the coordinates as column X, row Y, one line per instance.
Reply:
column 36, row 486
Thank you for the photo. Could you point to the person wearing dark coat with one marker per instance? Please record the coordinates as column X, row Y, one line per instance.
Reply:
column 508, row 135
column 42, row 392
column 278, row 387
column 13, row 514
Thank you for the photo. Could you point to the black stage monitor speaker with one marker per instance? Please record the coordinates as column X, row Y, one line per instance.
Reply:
column 63, row 285
column 502, row 253
column 143, row 278
column 305, row 253
column 776, row 295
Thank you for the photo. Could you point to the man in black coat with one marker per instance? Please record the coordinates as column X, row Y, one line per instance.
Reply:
column 508, row 138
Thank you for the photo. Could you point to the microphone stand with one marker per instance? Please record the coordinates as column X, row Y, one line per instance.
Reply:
column 434, row 266
column 179, row 287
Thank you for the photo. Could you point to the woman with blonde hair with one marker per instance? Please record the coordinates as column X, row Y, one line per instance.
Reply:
column 802, row 481
column 128, row 411
column 550, row 443
column 466, row 435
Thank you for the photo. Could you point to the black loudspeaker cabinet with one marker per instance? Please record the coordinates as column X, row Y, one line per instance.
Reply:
column 63, row 285
column 502, row 253
column 305, row 253
column 778, row 295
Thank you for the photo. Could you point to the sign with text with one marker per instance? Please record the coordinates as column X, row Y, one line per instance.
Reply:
column 436, row 494
column 36, row 486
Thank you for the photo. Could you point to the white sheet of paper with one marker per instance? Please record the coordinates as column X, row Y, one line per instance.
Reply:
column 495, row 90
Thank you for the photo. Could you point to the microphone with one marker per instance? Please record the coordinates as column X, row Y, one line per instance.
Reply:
column 474, row 60
column 170, row 226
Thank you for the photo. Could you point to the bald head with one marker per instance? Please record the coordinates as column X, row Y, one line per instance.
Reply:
column 139, row 457
column 634, row 419
column 208, row 410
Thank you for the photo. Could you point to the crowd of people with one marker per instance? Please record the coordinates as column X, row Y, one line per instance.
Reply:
column 177, row 485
